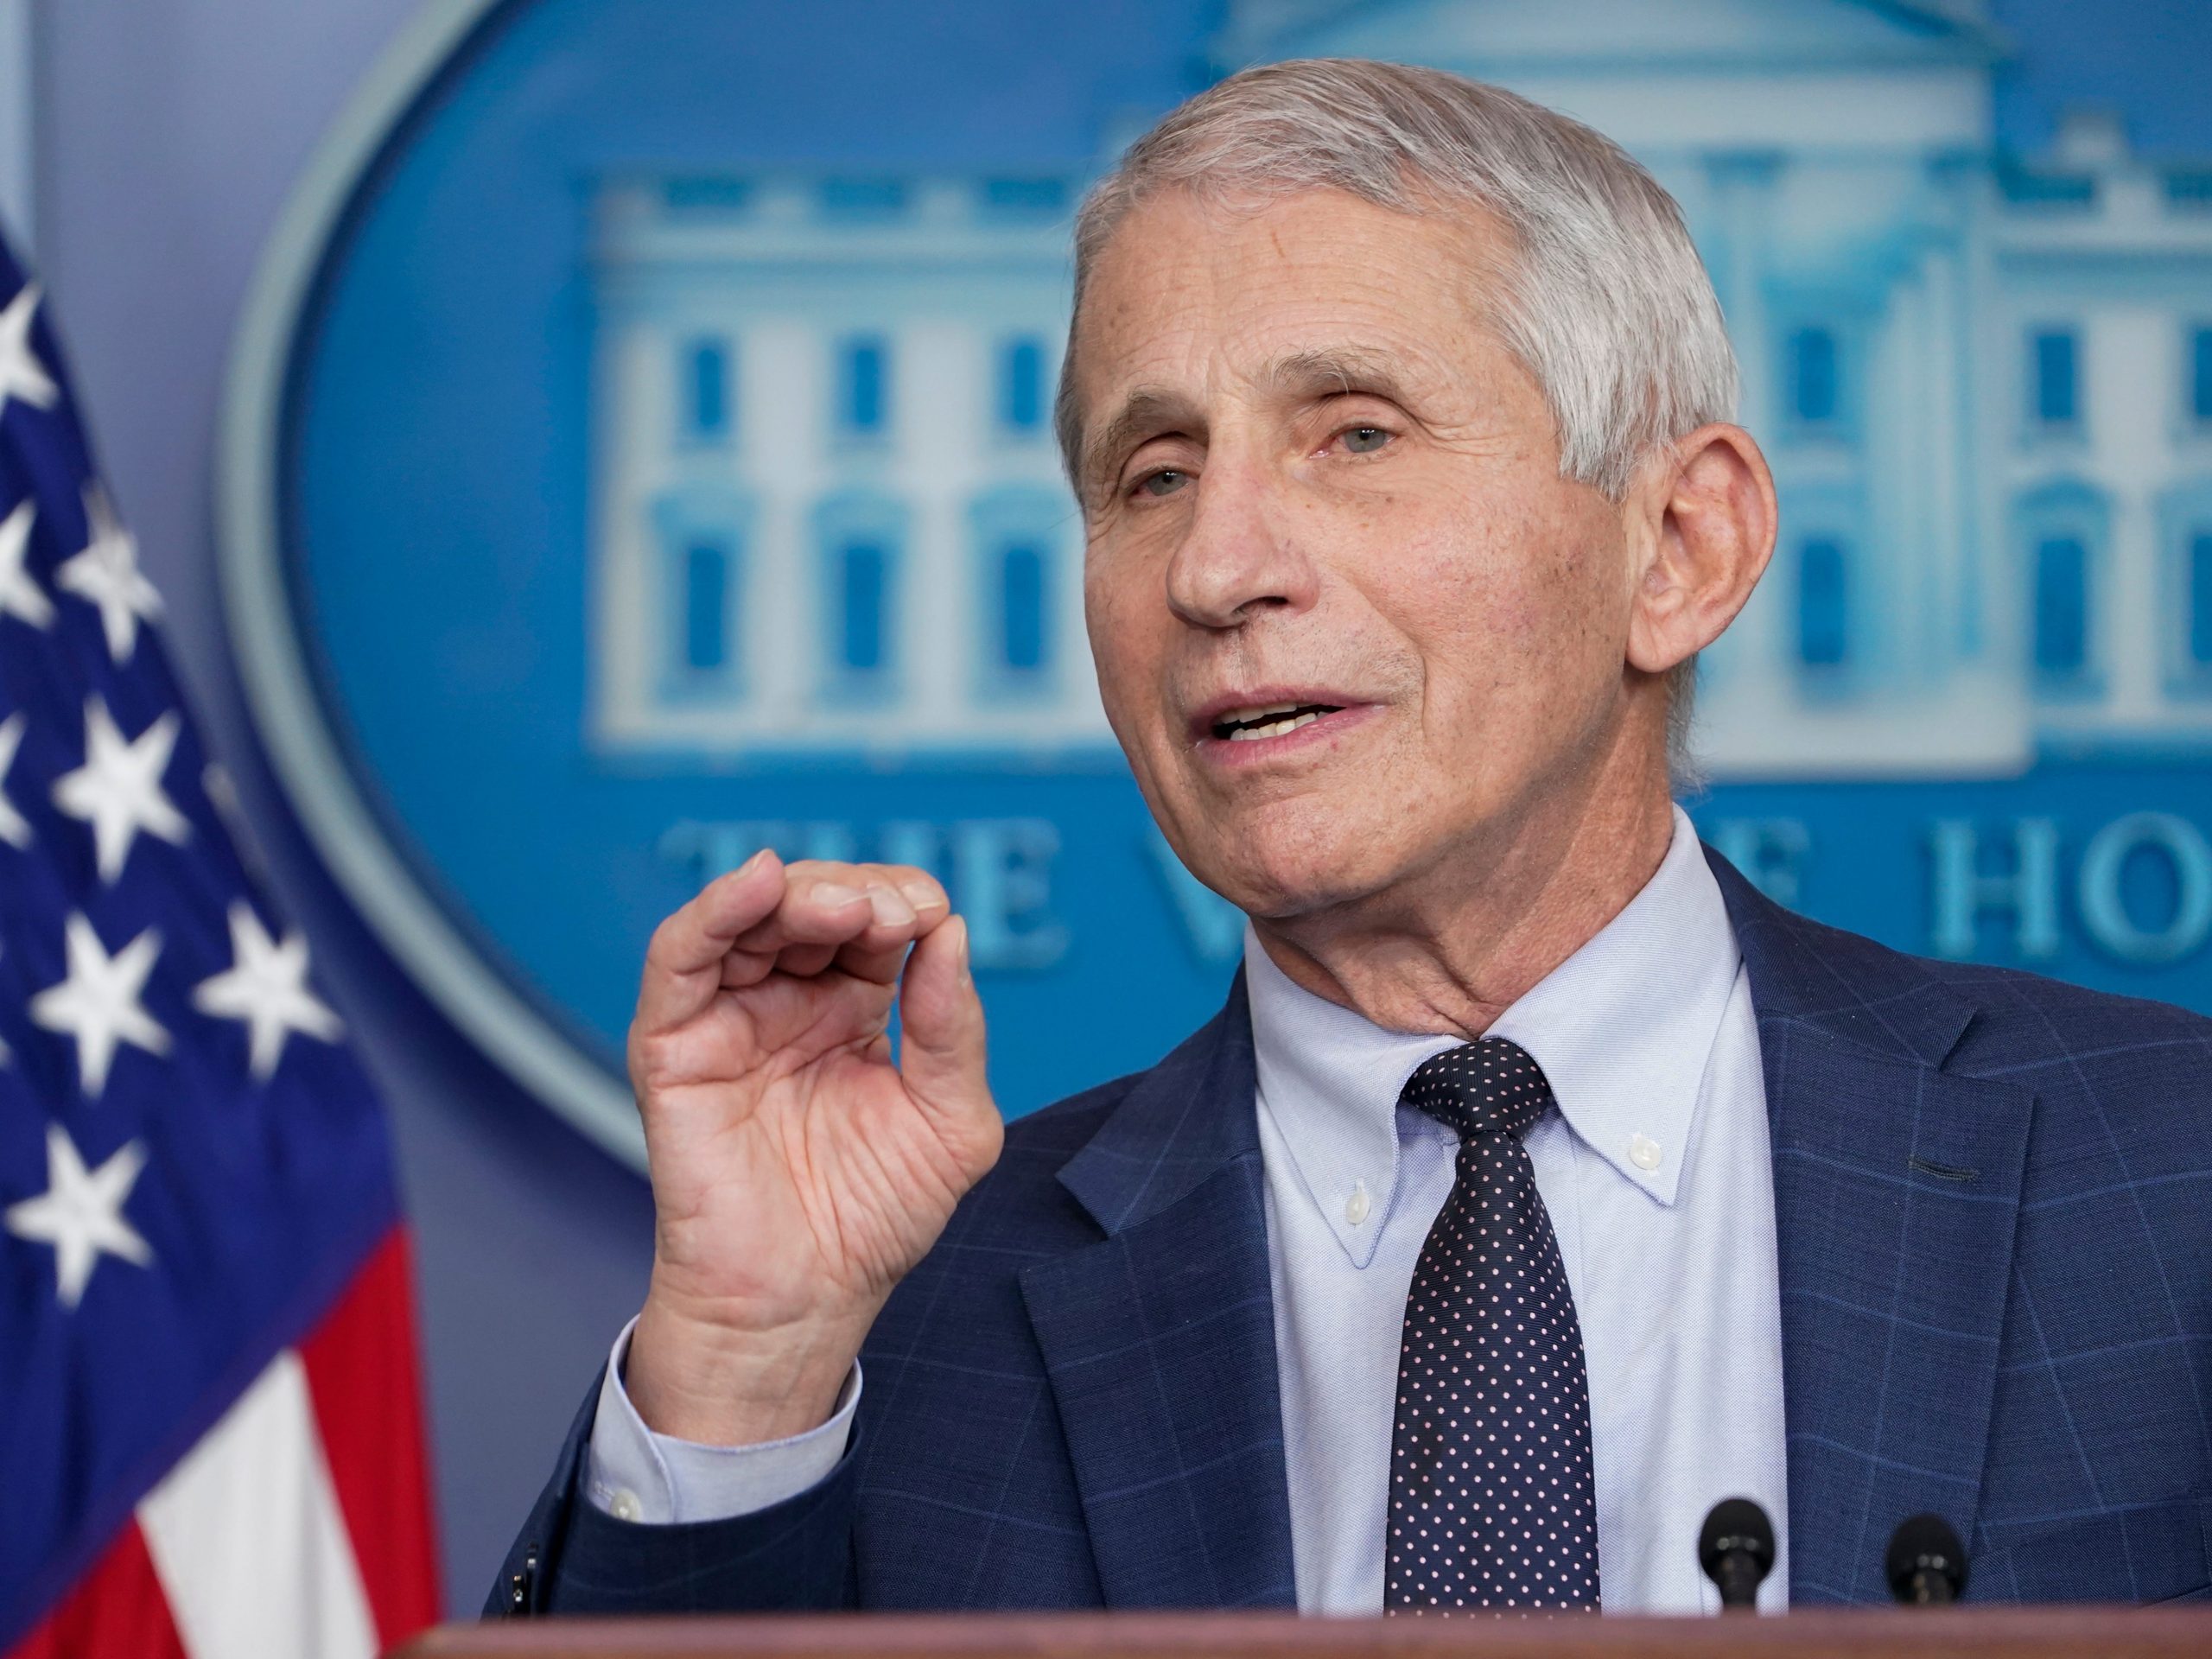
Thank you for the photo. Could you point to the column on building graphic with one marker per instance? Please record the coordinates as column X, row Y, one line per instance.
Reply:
column 1858, row 351
column 828, row 511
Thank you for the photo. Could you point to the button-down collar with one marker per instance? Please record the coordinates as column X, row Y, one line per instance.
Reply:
column 1622, row 1029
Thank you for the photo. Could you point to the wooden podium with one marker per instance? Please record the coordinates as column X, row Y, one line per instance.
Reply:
column 2073, row 1632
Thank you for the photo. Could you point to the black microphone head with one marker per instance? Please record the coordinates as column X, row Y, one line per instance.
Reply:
column 1736, row 1526
column 1924, row 1544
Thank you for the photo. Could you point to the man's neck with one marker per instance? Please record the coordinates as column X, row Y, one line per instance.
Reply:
column 1450, row 949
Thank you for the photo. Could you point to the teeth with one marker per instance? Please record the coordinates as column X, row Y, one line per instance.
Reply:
column 1236, row 717
column 1274, row 729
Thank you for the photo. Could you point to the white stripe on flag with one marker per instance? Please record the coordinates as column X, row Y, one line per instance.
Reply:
column 247, row 1538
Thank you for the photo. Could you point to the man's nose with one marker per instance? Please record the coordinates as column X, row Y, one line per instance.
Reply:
column 1238, row 555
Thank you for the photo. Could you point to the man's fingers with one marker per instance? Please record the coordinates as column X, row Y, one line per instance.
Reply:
column 941, row 1025
column 878, row 906
column 769, row 918
column 697, row 936
column 919, row 888
column 683, row 962
column 812, row 913
column 880, row 966
column 804, row 961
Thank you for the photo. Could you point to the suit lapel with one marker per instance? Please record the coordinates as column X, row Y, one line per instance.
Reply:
column 1159, row 1339
column 1896, row 1188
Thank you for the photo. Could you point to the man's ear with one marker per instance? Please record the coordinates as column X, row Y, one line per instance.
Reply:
column 1702, row 520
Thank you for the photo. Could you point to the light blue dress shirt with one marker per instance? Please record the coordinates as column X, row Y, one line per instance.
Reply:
column 1656, row 1174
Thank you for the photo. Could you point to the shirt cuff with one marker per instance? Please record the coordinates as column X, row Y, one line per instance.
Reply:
column 634, row 1474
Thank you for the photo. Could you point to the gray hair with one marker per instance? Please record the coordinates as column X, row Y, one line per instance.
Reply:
column 1605, row 302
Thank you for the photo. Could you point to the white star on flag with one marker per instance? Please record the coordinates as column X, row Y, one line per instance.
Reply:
column 20, row 593
column 267, row 987
column 97, row 1002
column 13, row 828
column 80, row 1213
column 106, row 573
column 21, row 375
column 118, row 789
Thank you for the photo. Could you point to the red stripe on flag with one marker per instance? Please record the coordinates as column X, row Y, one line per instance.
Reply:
column 366, row 1387
column 118, row 1608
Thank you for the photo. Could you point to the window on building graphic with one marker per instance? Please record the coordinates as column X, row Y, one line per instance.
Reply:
column 2055, row 369
column 706, row 388
column 1812, row 376
column 700, row 533
column 863, row 606
column 706, row 606
column 2200, row 599
column 862, row 199
column 706, row 195
column 860, row 538
column 2200, row 373
column 1018, row 533
column 1025, row 640
column 1021, row 384
column 2062, row 606
column 864, row 385
column 1025, row 198
column 1823, row 604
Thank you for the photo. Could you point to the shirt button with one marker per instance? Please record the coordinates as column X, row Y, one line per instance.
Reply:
column 624, row 1506
column 1356, row 1205
column 1644, row 1151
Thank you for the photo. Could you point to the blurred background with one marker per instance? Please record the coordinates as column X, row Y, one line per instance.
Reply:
column 620, row 430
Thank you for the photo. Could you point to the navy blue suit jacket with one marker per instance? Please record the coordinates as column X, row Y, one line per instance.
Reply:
column 1994, row 1205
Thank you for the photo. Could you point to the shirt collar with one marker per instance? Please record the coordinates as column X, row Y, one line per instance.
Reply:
column 1622, row 1029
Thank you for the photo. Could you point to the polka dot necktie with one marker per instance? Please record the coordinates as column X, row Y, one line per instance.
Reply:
column 1492, row 1500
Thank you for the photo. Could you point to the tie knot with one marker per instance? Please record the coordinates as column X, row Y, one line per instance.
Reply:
column 1492, row 1087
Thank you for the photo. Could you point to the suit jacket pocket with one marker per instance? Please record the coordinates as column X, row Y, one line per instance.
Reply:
column 2145, row 1551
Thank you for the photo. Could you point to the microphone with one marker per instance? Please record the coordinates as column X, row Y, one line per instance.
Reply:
column 1926, row 1565
column 1736, row 1550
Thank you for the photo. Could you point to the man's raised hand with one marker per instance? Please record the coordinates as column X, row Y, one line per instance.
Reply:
column 798, row 1172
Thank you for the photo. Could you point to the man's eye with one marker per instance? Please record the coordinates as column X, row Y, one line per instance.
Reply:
column 1364, row 440
column 1165, row 481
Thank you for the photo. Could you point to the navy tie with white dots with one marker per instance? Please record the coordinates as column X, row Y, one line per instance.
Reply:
column 1491, row 1499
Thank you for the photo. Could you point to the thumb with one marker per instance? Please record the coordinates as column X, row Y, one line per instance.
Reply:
column 941, row 1023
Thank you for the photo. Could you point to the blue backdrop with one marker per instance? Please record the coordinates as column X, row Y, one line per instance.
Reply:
column 550, row 329
column 450, row 446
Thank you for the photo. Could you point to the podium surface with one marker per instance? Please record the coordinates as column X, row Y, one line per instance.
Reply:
column 2071, row 1632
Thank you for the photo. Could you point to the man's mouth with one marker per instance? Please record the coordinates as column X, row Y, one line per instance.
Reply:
column 1270, row 719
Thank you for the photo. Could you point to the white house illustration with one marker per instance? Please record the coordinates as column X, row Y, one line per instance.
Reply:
column 828, row 517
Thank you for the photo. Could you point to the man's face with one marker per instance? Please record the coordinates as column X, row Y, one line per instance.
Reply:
column 1348, row 621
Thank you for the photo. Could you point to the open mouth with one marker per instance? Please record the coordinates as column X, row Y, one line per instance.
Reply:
column 1275, row 720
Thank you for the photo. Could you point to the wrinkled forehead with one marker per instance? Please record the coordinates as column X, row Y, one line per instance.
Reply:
column 1278, row 294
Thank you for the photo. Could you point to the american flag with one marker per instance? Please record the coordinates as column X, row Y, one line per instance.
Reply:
column 211, row 1440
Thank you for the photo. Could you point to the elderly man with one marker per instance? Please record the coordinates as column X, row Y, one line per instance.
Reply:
column 1541, row 1183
